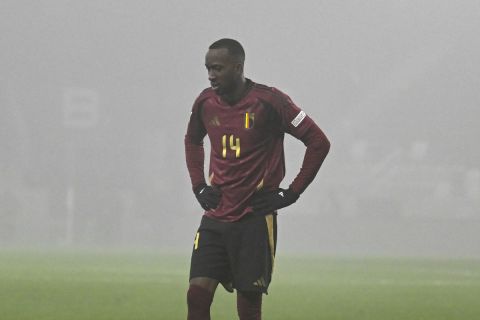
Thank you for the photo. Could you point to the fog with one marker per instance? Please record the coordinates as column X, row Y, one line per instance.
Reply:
column 95, row 97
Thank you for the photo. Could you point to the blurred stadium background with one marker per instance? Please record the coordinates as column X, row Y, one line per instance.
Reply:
column 95, row 97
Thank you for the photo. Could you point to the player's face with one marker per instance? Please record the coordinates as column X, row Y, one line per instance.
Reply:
column 224, row 71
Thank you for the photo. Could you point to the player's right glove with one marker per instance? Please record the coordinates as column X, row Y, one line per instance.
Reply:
column 207, row 196
column 269, row 201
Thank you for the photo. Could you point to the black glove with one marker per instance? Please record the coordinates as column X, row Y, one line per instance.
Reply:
column 269, row 201
column 207, row 196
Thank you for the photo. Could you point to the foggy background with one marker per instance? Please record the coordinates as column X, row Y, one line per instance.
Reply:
column 95, row 97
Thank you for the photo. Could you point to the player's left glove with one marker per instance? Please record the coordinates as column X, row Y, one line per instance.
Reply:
column 207, row 196
column 267, row 202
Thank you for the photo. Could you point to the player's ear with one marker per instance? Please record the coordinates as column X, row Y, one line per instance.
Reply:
column 239, row 68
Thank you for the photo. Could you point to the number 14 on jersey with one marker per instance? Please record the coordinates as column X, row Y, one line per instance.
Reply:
column 234, row 145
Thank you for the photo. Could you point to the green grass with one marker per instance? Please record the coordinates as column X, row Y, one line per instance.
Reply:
column 95, row 285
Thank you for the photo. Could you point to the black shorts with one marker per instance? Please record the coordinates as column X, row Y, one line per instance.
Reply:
column 241, row 253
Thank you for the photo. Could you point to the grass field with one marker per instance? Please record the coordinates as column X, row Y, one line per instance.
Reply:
column 95, row 285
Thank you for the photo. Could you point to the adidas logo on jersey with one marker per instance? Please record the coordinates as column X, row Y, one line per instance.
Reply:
column 214, row 122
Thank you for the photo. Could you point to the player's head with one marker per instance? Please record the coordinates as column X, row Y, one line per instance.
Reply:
column 234, row 48
column 224, row 62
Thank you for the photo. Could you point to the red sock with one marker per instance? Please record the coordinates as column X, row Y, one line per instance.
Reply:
column 249, row 305
column 199, row 300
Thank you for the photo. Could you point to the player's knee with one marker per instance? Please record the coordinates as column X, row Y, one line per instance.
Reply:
column 199, row 300
column 249, row 305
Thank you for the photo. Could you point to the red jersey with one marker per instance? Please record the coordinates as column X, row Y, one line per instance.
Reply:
column 247, row 145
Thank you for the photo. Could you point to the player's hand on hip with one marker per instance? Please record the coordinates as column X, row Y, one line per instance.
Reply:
column 269, row 201
column 207, row 196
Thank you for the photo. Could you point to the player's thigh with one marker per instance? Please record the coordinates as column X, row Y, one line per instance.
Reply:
column 209, row 255
column 204, row 282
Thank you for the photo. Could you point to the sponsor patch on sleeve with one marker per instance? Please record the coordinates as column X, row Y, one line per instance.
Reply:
column 299, row 118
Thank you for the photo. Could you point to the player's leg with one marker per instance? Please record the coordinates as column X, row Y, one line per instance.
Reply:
column 209, row 266
column 199, row 297
column 249, row 305
column 204, row 282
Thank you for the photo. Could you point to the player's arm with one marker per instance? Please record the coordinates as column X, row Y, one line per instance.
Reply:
column 317, row 148
column 207, row 196
column 295, row 122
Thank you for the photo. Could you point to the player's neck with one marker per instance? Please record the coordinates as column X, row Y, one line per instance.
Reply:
column 237, row 94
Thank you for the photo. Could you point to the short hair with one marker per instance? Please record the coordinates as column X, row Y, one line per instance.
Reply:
column 233, row 46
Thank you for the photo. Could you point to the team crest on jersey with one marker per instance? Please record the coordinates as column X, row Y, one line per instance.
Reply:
column 249, row 120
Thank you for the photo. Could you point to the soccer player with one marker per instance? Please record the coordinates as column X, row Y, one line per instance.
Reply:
column 245, row 122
